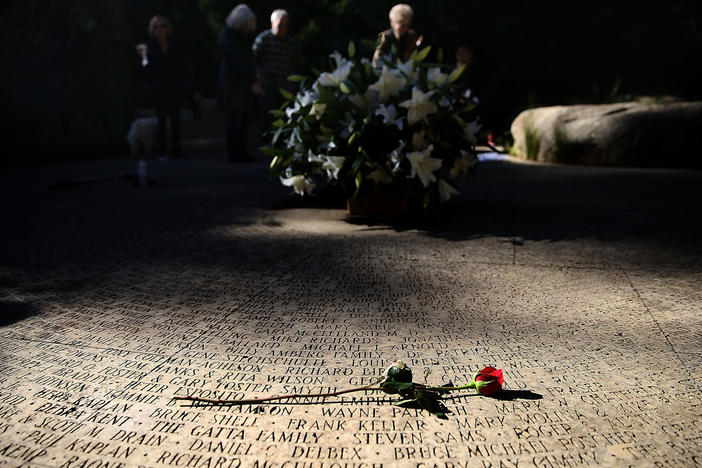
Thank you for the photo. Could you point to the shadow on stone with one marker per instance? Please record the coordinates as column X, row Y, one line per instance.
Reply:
column 525, row 202
column 11, row 312
column 511, row 395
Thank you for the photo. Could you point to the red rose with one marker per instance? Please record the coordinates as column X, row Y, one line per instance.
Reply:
column 488, row 380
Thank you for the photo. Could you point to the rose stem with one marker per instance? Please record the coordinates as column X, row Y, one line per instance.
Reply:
column 463, row 387
column 278, row 397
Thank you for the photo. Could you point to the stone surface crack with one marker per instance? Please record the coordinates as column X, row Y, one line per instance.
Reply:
column 660, row 328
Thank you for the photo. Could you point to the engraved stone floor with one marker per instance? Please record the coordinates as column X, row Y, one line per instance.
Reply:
column 583, row 285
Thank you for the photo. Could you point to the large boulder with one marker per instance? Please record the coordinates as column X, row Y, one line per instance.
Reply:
column 624, row 134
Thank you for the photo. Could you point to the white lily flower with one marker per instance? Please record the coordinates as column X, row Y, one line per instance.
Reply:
column 423, row 165
column 303, row 99
column 306, row 98
column 389, row 115
column 397, row 156
column 318, row 109
column 379, row 176
column 389, row 84
column 435, row 76
column 332, row 165
column 463, row 164
column 313, row 158
column 289, row 111
column 333, row 79
column 419, row 106
column 299, row 183
column 407, row 69
column 339, row 59
column 330, row 146
column 446, row 190
column 470, row 131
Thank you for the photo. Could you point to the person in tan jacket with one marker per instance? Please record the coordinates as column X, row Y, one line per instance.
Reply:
column 398, row 42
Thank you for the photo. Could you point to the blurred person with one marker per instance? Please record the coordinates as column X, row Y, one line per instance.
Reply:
column 237, row 83
column 472, row 91
column 276, row 59
column 399, row 41
column 468, row 81
column 165, row 64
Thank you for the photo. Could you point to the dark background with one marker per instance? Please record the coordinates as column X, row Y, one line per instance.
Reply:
column 70, row 87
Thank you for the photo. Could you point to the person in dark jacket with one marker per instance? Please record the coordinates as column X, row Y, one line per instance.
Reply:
column 237, row 82
column 166, row 66
column 468, row 81
column 398, row 42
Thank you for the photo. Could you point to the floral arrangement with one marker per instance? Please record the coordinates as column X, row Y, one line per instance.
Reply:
column 369, row 126
column 396, row 380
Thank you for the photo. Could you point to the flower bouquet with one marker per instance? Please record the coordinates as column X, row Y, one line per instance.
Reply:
column 399, row 128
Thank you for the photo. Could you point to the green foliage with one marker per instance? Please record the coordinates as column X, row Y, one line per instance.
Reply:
column 531, row 141
column 351, row 49
column 287, row 94
column 456, row 74
column 420, row 55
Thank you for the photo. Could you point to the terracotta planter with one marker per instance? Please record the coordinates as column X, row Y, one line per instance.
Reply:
column 381, row 200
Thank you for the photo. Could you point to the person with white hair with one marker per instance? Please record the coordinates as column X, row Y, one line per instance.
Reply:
column 237, row 82
column 398, row 42
column 276, row 59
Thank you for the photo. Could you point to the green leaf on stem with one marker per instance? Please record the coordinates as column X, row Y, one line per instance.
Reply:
column 460, row 121
column 287, row 94
column 456, row 74
column 469, row 107
column 296, row 78
column 276, row 135
column 344, row 88
column 422, row 54
column 358, row 180
column 352, row 49
column 430, row 402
